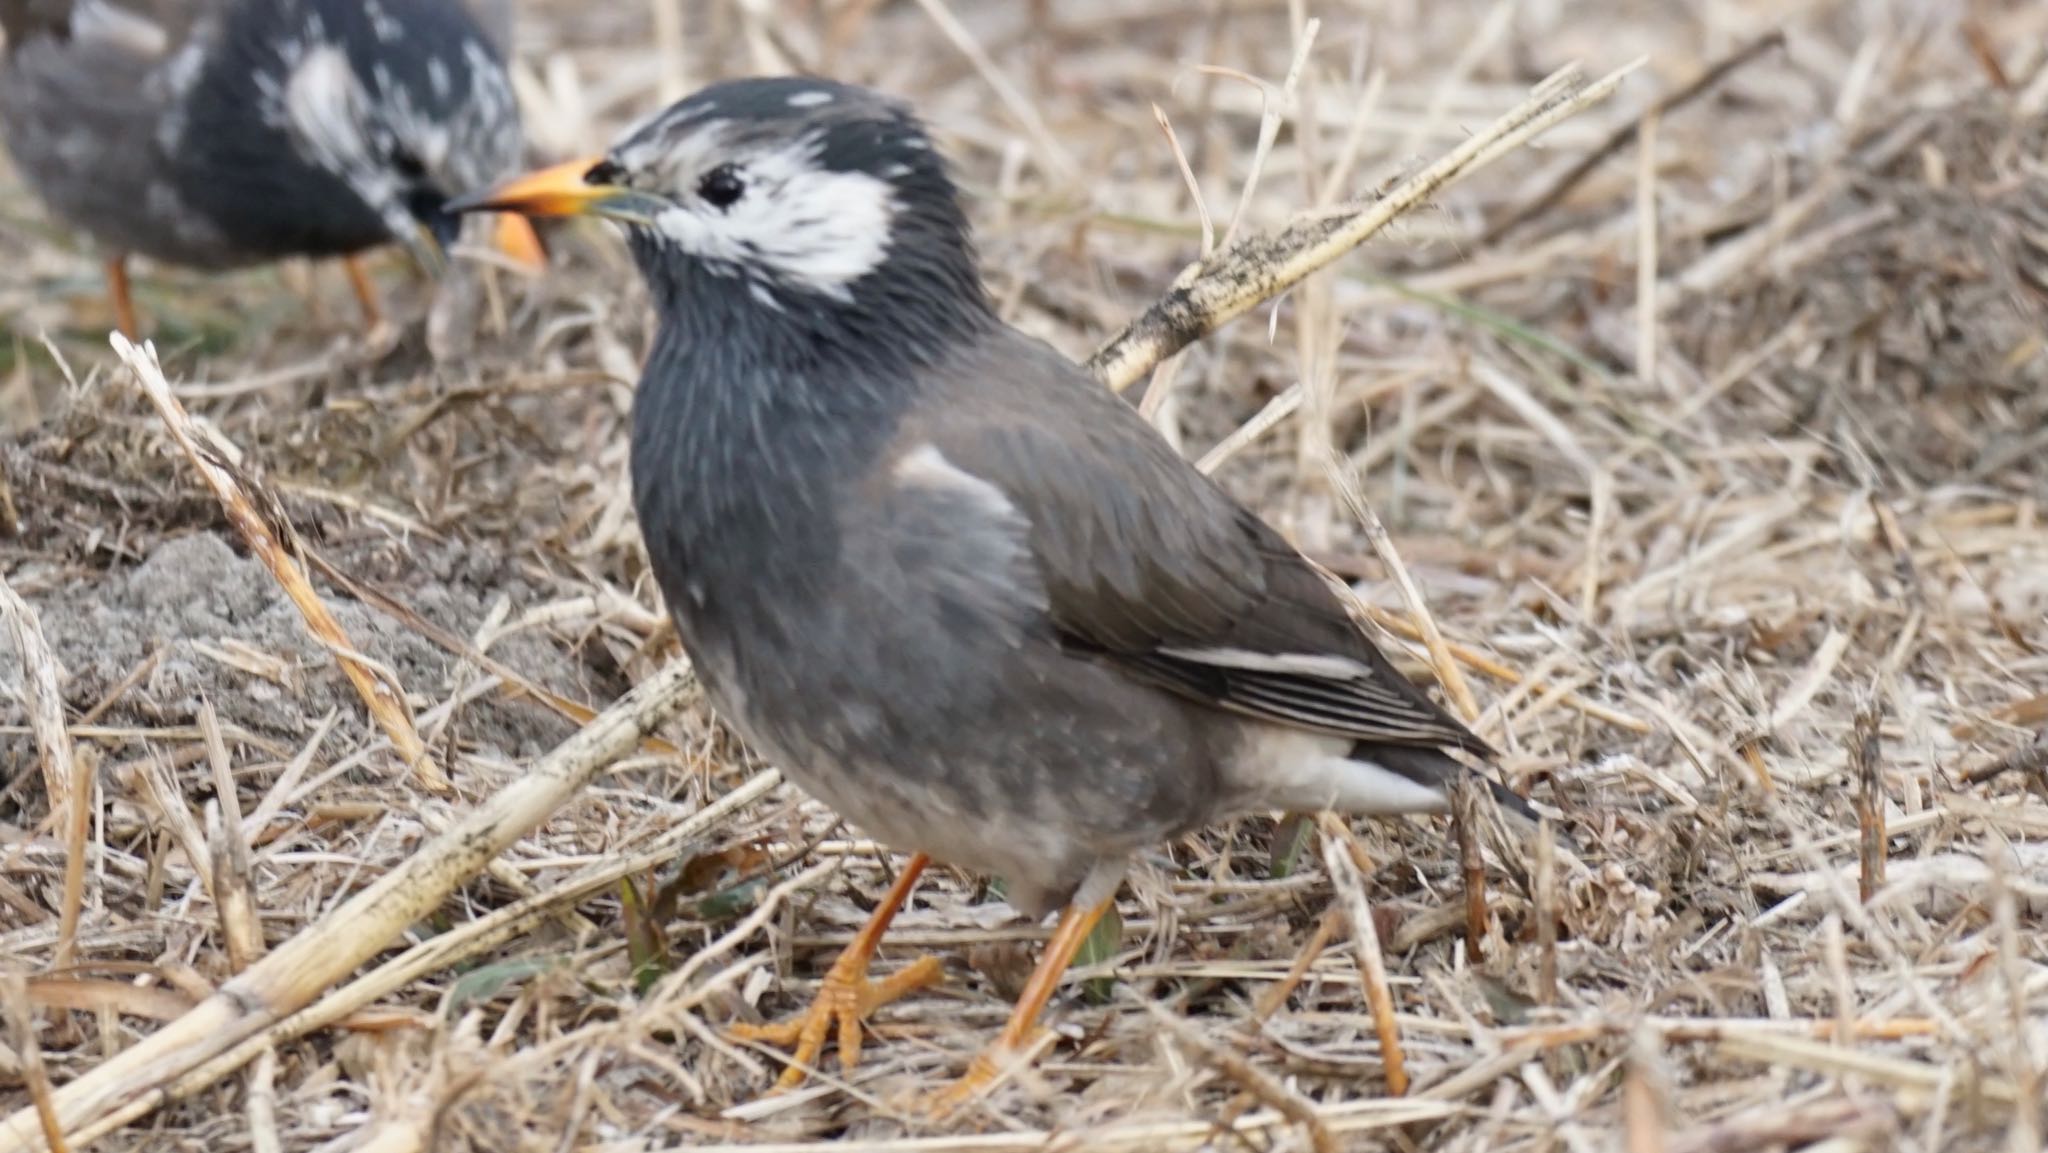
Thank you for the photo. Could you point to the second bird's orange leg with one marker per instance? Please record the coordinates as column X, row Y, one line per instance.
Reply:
column 1075, row 925
column 124, row 301
column 847, row 996
column 366, row 291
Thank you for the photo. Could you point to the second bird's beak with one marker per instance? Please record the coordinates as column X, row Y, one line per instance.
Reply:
column 562, row 191
column 520, row 244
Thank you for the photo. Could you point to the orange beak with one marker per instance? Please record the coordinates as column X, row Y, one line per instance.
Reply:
column 515, row 238
column 560, row 190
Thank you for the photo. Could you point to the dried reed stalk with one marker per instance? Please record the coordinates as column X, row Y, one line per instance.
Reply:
column 1256, row 1082
column 1644, row 1096
column 444, row 950
column 1239, row 277
column 40, row 683
column 234, row 891
column 1864, row 758
column 77, row 828
column 1466, row 823
column 21, row 1028
column 1365, row 939
column 1546, row 913
column 299, row 969
column 260, row 520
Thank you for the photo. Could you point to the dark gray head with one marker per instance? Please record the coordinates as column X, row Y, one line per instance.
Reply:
column 405, row 102
column 782, row 202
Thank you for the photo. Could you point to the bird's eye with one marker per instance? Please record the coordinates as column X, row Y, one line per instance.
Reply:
column 721, row 186
column 605, row 172
column 406, row 164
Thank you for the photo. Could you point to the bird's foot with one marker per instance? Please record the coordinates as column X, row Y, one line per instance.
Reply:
column 984, row 1071
column 842, row 1003
column 376, row 342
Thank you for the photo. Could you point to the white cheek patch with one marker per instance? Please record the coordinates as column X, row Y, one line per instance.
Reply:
column 803, row 225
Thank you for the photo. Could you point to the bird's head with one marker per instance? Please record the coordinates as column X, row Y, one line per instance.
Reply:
column 406, row 102
column 788, row 195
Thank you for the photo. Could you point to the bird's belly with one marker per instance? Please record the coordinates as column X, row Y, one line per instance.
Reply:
column 891, row 800
column 1036, row 785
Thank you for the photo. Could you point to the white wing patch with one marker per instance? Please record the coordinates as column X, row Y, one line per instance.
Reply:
column 1322, row 691
column 1297, row 664
column 926, row 466
column 970, row 543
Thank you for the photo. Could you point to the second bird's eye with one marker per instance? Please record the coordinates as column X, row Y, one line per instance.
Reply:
column 406, row 163
column 721, row 186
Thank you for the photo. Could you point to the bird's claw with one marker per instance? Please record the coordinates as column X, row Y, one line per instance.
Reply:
column 984, row 1071
column 843, row 1002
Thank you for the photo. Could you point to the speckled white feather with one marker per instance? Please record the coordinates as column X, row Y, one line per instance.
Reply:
column 322, row 103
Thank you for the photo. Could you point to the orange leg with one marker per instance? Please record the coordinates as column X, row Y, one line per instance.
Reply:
column 1075, row 925
column 124, row 301
column 847, row 996
column 366, row 292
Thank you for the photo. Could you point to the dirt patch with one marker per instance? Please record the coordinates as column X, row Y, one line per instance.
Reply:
column 219, row 629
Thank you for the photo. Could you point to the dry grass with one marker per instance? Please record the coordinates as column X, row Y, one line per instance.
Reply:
column 1717, row 463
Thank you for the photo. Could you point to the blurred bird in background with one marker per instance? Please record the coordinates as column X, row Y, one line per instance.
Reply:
column 217, row 134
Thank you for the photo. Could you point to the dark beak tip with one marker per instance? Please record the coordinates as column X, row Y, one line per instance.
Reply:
column 474, row 202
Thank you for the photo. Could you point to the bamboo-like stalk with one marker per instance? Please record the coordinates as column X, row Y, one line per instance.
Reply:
column 45, row 699
column 42, row 1111
column 77, row 827
column 442, row 951
column 234, row 893
column 1865, row 759
column 255, row 513
column 1546, row 914
column 1372, row 966
column 1466, row 823
column 1644, row 1099
column 300, row 969
column 1259, row 267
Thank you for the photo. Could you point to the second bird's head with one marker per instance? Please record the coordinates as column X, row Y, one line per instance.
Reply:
column 784, row 196
column 405, row 103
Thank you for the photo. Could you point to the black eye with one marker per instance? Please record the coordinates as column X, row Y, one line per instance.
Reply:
column 721, row 186
column 406, row 164
column 605, row 171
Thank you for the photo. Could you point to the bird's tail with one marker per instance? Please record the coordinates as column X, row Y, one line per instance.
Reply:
column 1435, row 770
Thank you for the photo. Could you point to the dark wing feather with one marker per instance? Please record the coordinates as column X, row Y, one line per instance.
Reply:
column 1150, row 565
